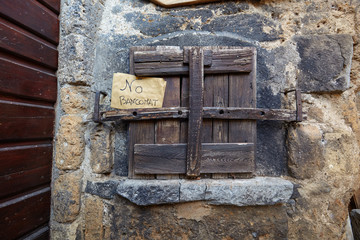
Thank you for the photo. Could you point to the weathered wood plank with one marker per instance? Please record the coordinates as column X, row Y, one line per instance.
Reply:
column 173, row 55
column 139, row 132
column 21, row 42
column 242, row 93
column 171, row 158
column 54, row 5
column 25, row 213
column 220, row 97
column 161, row 69
column 168, row 131
column 196, row 89
column 25, row 121
column 26, row 80
column 216, row 60
column 22, row 158
column 208, row 112
column 34, row 17
column 21, row 181
column 208, row 102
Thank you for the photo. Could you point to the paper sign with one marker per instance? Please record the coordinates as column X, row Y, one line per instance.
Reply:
column 129, row 91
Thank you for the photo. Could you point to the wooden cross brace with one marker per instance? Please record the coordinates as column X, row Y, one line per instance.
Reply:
column 194, row 62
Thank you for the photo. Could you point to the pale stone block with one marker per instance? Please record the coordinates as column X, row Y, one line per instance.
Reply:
column 75, row 99
column 70, row 143
column 101, row 149
column 94, row 209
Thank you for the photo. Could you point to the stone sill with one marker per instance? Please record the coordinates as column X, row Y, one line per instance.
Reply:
column 239, row 192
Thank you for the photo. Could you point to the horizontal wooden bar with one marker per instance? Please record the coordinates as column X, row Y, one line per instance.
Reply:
column 161, row 68
column 215, row 158
column 172, row 55
column 167, row 62
column 208, row 112
column 23, row 214
column 145, row 114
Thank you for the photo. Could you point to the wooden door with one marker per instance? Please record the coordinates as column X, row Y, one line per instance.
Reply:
column 29, row 35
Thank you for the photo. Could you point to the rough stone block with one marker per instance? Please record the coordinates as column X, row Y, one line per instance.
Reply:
column 66, row 197
column 102, row 151
column 70, row 143
column 325, row 62
column 192, row 191
column 203, row 223
column 61, row 231
column 241, row 192
column 94, row 209
column 252, row 192
column 75, row 99
column 102, row 189
column 306, row 150
column 149, row 192
column 75, row 60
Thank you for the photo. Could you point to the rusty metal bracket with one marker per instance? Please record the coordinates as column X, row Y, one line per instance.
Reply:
column 96, row 115
column 299, row 115
column 208, row 112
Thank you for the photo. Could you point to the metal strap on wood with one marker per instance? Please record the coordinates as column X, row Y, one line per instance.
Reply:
column 194, row 62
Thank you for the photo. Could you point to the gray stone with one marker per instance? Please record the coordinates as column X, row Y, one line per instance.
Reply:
column 149, row 192
column 306, row 150
column 249, row 192
column 325, row 62
column 154, row 24
column 239, row 192
column 247, row 25
column 192, row 191
column 102, row 189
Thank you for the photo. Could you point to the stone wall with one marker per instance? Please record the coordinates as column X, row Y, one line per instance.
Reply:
column 310, row 44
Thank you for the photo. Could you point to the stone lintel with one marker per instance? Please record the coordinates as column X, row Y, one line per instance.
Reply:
column 238, row 192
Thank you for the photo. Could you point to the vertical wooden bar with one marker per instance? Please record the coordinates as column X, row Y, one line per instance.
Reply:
column 168, row 131
column 220, row 99
column 196, row 87
column 139, row 132
column 242, row 93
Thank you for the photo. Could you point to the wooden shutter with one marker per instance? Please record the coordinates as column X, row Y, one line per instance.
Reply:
column 218, row 145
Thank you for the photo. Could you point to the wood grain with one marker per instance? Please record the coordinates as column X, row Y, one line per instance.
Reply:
column 22, row 158
column 220, row 98
column 242, row 93
column 154, row 63
column 18, row 182
column 27, row 81
column 208, row 113
column 25, row 121
column 171, row 158
column 21, row 42
column 33, row 16
column 21, row 215
column 54, row 5
column 168, row 131
column 196, row 89
column 138, row 133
